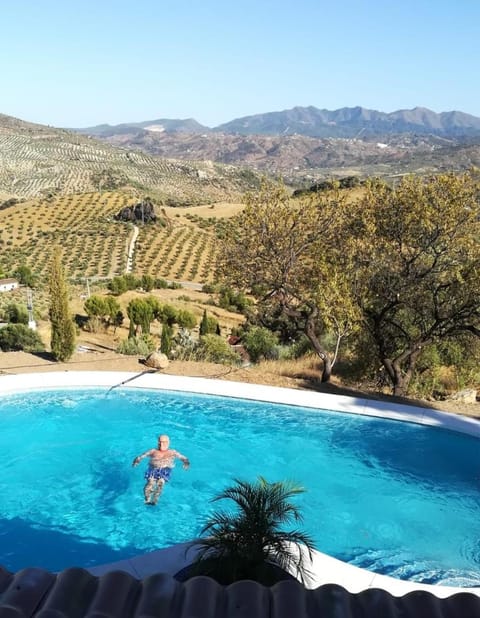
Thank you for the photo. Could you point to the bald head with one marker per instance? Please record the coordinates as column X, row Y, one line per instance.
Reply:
column 163, row 442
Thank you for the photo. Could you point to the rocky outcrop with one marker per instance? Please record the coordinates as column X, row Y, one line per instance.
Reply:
column 142, row 212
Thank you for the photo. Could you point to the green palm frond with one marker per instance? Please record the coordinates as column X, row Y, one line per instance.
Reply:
column 240, row 544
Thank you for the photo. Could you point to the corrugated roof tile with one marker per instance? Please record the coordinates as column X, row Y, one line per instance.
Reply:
column 76, row 593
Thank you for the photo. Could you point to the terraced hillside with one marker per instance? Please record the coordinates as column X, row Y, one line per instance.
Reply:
column 39, row 161
column 180, row 246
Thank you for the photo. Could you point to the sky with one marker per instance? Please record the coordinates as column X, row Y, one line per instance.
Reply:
column 79, row 63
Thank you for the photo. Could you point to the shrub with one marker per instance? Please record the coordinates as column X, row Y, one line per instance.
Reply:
column 447, row 366
column 184, row 345
column 167, row 314
column 260, row 343
column 19, row 337
column 209, row 288
column 233, row 301
column 186, row 319
column 94, row 324
column 147, row 283
column 161, row 284
column 95, row 306
column 120, row 284
column 214, row 349
column 299, row 348
column 16, row 314
column 132, row 346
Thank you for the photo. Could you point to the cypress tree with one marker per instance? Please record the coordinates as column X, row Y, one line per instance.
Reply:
column 166, row 339
column 62, row 341
column 204, row 324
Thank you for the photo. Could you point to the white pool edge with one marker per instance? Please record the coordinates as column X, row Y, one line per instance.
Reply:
column 324, row 569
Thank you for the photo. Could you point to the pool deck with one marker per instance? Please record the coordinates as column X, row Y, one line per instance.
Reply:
column 324, row 569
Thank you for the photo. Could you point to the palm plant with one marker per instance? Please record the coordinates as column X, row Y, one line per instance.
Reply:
column 251, row 543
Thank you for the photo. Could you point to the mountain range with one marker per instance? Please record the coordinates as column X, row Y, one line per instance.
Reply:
column 347, row 122
column 306, row 143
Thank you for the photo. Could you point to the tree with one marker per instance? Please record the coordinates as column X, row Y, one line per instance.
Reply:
column 289, row 255
column 63, row 328
column 106, row 309
column 244, row 544
column 166, row 339
column 114, row 314
column 166, row 314
column 140, row 313
column 203, row 330
column 417, row 261
column 208, row 325
column 95, row 306
column 147, row 282
column 117, row 320
column 25, row 276
column 117, row 285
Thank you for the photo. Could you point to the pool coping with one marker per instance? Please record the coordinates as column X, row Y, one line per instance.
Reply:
column 324, row 568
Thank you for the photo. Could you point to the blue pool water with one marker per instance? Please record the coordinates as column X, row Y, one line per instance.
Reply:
column 397, row 498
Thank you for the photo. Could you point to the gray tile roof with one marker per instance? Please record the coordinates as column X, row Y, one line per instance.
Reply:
column 76, row 593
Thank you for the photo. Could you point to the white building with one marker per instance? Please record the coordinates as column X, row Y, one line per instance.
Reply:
column 7, row 285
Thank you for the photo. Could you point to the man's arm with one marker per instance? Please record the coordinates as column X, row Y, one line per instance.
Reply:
column 139, row 458
column 183, row 459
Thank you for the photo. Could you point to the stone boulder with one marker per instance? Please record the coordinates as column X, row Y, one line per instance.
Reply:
column 467, row 395
column 157, row 360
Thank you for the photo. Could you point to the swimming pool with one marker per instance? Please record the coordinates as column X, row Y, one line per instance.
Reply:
column 398, row 498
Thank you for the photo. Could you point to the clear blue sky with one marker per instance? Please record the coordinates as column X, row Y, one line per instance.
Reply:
column 77, row 63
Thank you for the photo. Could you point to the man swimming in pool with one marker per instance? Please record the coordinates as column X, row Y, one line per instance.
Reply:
column 162, row 461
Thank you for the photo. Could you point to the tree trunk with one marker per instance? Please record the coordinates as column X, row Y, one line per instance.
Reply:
column 401, row 377
column 319, row 349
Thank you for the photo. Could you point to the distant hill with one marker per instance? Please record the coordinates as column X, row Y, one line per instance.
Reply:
column 158, row 126
column 45, row 161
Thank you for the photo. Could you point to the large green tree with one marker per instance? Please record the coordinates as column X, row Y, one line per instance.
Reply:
column 289, row 255
column 105, row 308
column 417, row 278
column 62, row 341
column 141, row 314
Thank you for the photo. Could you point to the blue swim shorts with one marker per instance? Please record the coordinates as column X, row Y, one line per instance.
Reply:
column 158, row 474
